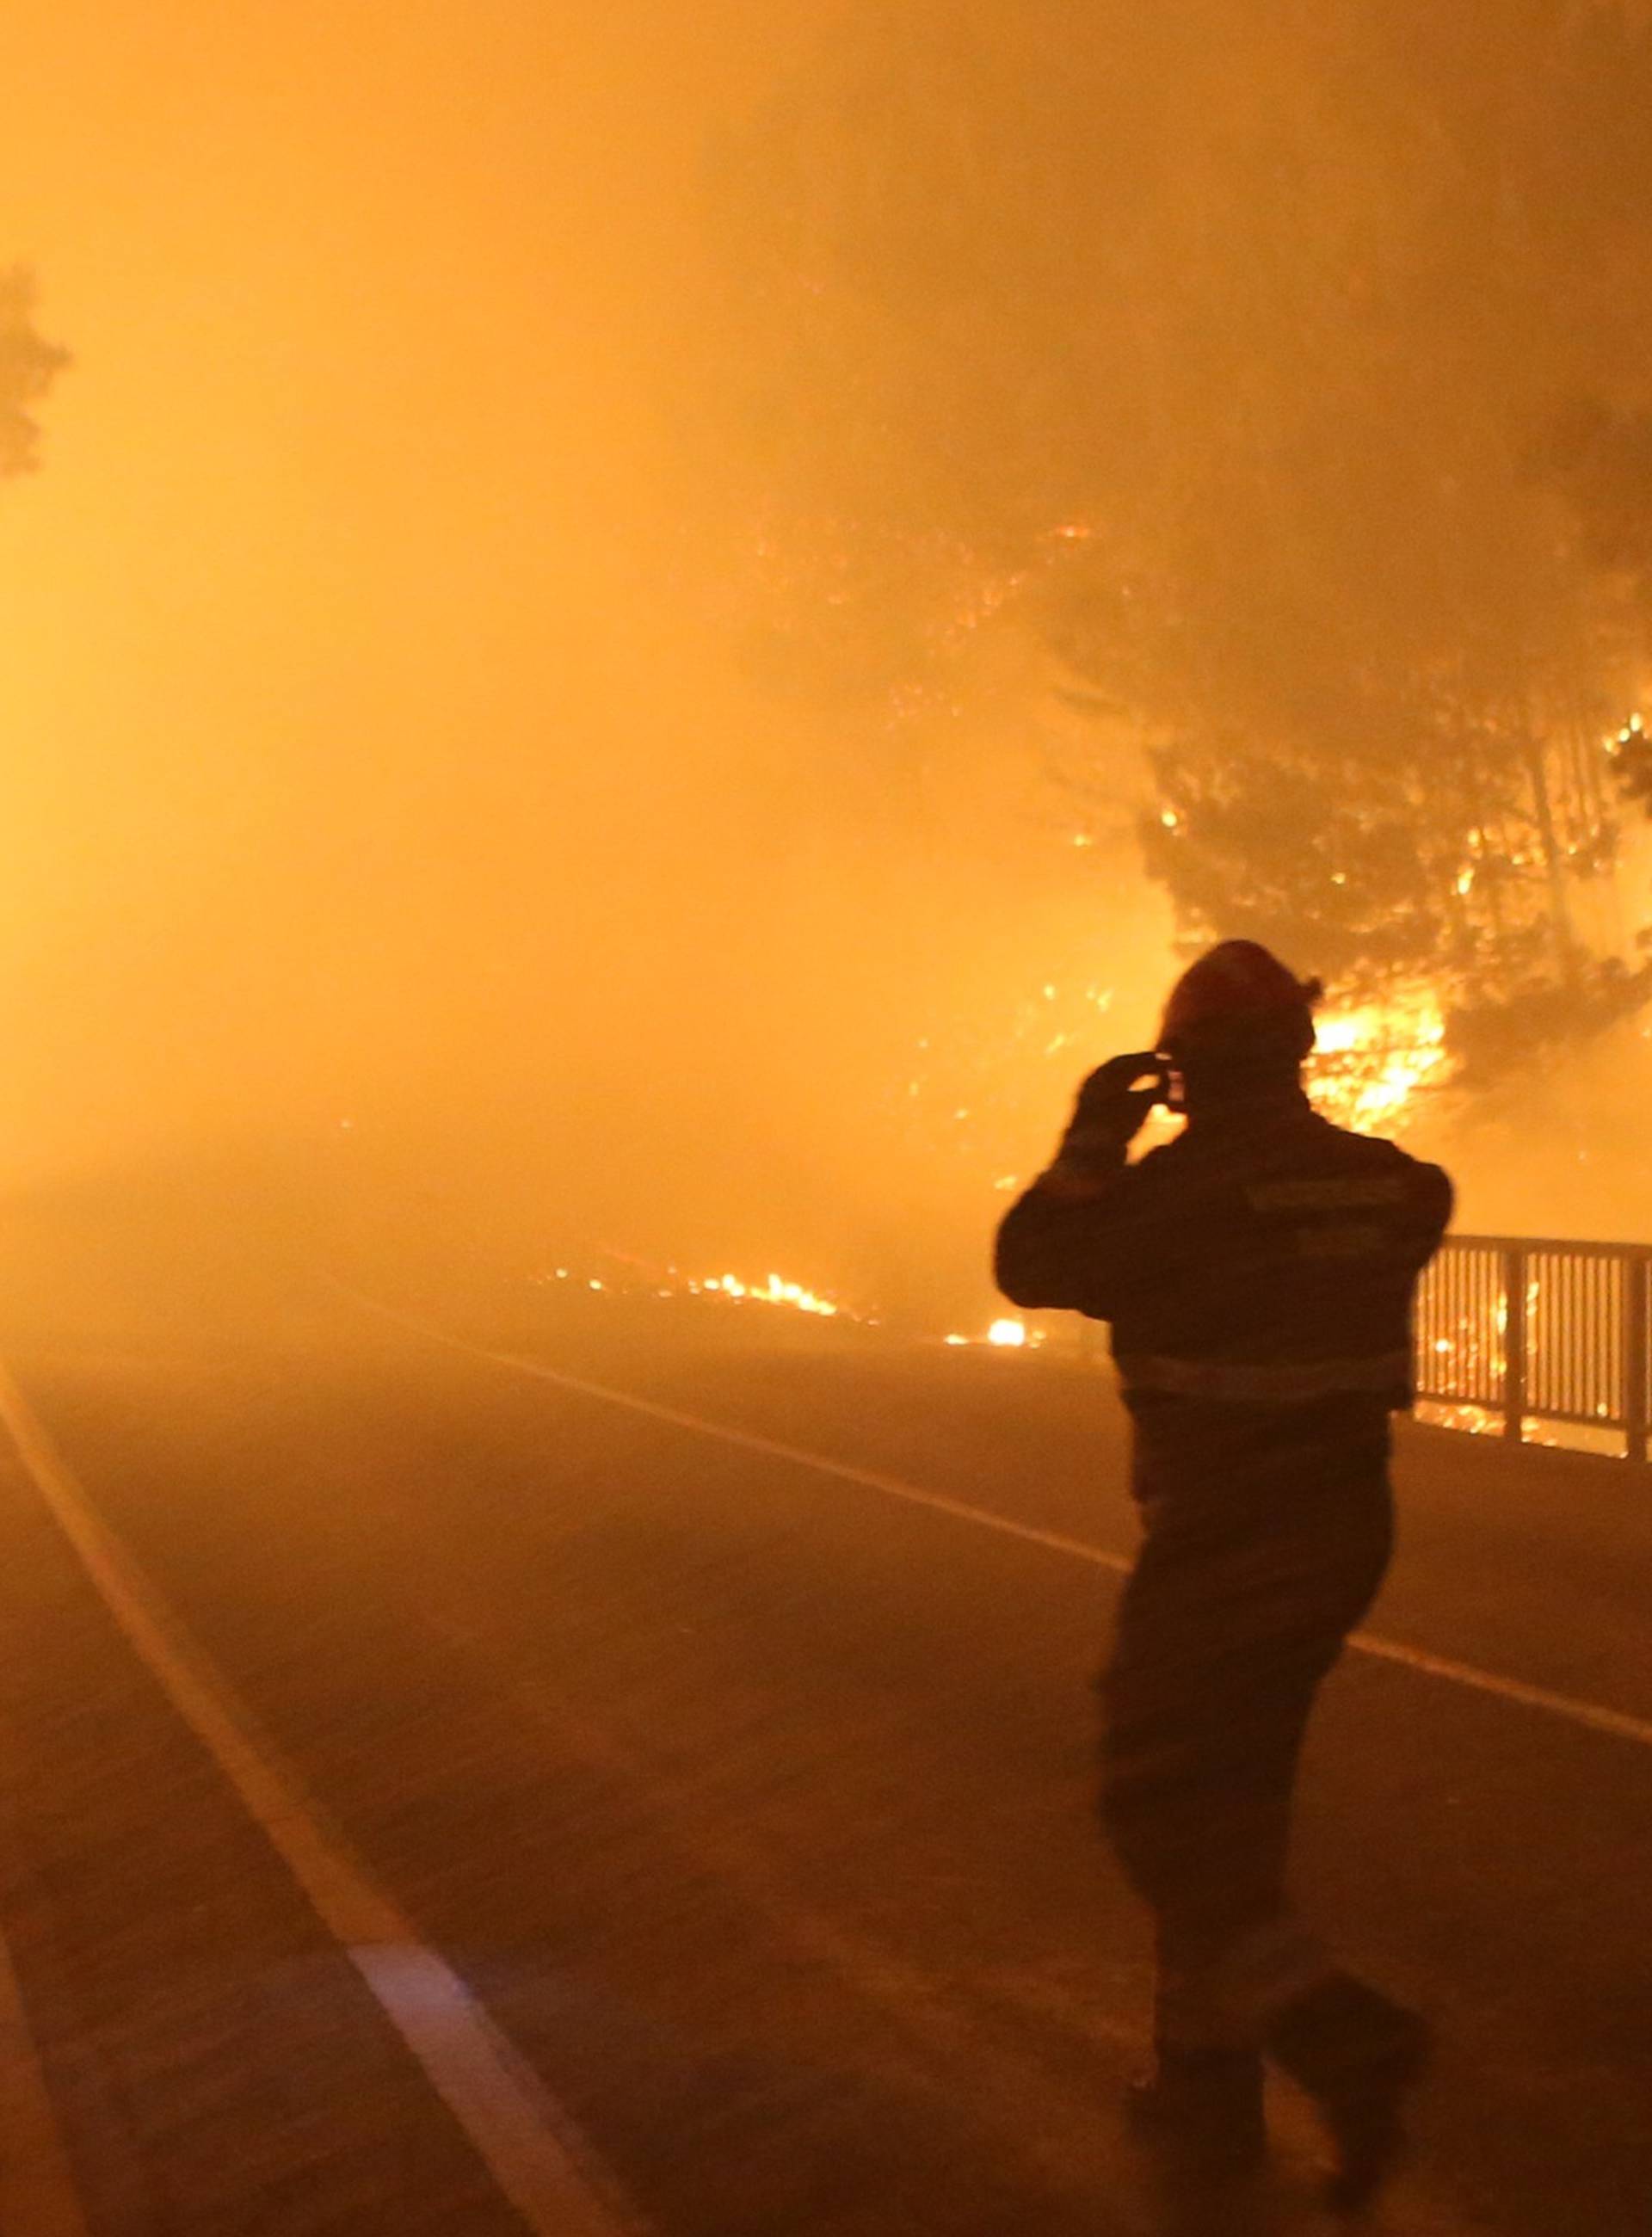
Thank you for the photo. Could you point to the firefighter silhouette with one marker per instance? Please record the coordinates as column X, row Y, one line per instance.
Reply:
column 1258, row 1272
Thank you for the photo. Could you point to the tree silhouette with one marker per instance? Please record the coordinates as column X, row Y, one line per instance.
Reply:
column 29, row 365
column 1285, row 371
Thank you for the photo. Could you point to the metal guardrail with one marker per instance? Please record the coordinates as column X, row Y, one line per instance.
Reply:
column 1515, row 1333
column 1536, row 1331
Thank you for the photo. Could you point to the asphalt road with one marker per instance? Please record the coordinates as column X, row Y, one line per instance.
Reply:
column 735, row 1806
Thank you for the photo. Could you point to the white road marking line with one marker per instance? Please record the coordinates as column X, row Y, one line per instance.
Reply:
column 1589, row 1714
column 1597, row 1719
column 527, row 2143
column 37, row 2191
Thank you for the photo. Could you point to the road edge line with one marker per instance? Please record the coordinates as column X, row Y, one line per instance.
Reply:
column 38, row 2191
column 530, row 2146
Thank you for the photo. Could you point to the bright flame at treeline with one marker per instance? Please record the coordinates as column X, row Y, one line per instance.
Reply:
column 774, row 1291
column 1371, row 1062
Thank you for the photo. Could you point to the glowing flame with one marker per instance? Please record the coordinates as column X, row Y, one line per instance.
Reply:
column 774, row 1291
column 1371, row 1061
column 1003, row 1335
column 666, row 1282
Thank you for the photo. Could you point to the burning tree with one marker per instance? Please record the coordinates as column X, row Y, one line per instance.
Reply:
column 1272, row 369
column 29, row 365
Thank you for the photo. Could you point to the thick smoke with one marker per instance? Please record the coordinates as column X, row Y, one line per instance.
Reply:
column 610, row 606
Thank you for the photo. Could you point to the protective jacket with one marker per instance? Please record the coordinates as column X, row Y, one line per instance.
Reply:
column 1257, row 1273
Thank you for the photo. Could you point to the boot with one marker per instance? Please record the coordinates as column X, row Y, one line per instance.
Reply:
column 1356, row 2052
column 1203, row 2108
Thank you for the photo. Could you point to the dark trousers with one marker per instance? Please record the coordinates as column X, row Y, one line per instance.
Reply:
column 1235, row 1611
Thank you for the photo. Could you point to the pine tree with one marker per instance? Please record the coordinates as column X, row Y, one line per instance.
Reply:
column 1282, row 371
column 28, row 365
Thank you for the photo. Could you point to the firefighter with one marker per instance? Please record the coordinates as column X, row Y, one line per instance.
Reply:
column 1258, row 1271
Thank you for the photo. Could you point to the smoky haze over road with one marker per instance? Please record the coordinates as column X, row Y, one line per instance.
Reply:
column 564, row 618
column 369, row 756
column 384, row 746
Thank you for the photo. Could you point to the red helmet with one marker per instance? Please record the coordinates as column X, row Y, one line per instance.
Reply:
column 1239, row 993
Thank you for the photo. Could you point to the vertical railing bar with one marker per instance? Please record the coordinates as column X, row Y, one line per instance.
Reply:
column 1556, row 1280
column 1560, row 1280
column 1540, row 1362
column 1483, row 1304
column 1543, row 1367
column 1580, row 1365
column 1612, row 1396
column 1576, row 1304
column 1634, row 1360
column 1514, row 1348
column 1590, row 1361
column 1496, row 1351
